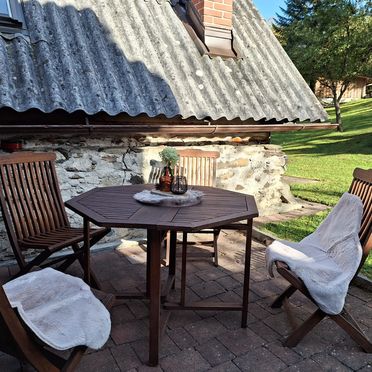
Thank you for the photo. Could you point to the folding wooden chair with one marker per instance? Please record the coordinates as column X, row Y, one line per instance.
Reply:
column 34, row 213
column 362, row 187
column 200, row 168
column 18, row 340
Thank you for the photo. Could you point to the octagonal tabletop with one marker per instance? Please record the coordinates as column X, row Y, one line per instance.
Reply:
column 116, row 207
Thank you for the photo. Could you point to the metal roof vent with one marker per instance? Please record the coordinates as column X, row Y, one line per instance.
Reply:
column 212, row 22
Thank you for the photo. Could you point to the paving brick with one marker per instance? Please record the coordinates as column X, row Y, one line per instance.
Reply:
column 201, row 265
column 233, row 319
column 238, row 277
column 138, row 309
column 261, row 360
column 225, row 367
column 212, row 273
column 208, row 289
column 279, row 323
column 125, row 357
column 181, row 338
column 205, row 329
column 145, row 368
column 329, row 363
column 129, row 331
column 215, row 352
column 230, row 296
column 367, row 368
column 258, row 311
column 266, row 288
column 102, row 361
column 259, row 275
column 186, row 360
column 286, row 354
column 352, row 357
column 265, row 303
column 121, row 314
column 182, row 318
column 191, row 280
column 167, row 347
column 265, row 332
column 312, row 344
column 307, row 365
column 241, row 341
column 228, row 282
column 126, row 284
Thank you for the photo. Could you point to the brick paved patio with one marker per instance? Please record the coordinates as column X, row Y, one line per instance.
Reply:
column 214, row 341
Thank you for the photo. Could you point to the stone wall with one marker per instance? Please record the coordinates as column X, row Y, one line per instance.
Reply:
column 84, row 163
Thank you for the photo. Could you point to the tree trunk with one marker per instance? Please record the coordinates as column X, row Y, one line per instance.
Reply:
column 312, row 84
column 337, row 106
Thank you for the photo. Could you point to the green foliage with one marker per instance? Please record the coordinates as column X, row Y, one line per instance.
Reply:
column 328, row 40
column 330, row 158
column 169, row 156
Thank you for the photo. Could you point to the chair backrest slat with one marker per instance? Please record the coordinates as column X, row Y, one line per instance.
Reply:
column 362, row 187
column 57, row 214
column 19, row 192
column 42, row 198
column 55, row 193
column 14, row 210
column 30, row 197
column 198, row 166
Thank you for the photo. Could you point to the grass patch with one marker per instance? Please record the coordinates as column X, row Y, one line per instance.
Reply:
column 329, row 157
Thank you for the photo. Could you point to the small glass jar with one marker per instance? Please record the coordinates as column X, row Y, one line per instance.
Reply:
column 179, row 185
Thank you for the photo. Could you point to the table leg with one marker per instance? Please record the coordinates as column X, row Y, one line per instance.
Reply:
column 148, row 264
column 172, row 255
column 247, row 270
column 86, row 251
column 154, row 237
column 184, row 268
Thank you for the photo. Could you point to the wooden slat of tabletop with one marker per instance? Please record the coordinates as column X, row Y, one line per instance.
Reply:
column 116, row 207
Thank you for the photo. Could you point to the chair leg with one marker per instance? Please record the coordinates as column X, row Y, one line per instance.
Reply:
column 304, row 328
column 167, row 248
column 216, row 234
column 172, row 256
column 94, row 282
column 350, row 326
column 74, row 359
column 183, row 270
column 278, row 302
column 35, row 262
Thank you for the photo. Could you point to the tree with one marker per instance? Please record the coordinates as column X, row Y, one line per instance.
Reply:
column 330, row 41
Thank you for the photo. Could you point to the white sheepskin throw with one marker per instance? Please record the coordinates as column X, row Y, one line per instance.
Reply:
column 327, row 259
column 60, row 309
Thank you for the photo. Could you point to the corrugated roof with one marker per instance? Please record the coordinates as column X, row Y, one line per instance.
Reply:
column 135, row 56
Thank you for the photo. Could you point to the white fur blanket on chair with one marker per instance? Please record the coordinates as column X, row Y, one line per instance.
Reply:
column 327, row 259
column 60, row 309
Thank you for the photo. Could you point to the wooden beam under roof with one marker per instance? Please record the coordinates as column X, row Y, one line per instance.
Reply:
column 78, row 123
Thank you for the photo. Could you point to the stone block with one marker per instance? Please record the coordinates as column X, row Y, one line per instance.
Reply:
column 259, row 360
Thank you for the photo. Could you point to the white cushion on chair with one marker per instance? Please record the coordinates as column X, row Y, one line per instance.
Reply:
column 60, row 309
column 327, row 259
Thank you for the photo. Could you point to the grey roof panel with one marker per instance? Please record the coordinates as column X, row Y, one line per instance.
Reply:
column 135, row 56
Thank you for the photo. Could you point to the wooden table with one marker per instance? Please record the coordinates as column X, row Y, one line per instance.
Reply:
column 115, row 207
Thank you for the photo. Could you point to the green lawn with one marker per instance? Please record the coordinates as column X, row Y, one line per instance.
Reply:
column 329, row 157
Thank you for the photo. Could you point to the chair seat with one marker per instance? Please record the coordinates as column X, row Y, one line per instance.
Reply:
column 64, row 313
column 57, row 239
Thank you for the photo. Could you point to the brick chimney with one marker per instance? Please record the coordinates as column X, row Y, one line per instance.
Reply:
column 212, row 21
